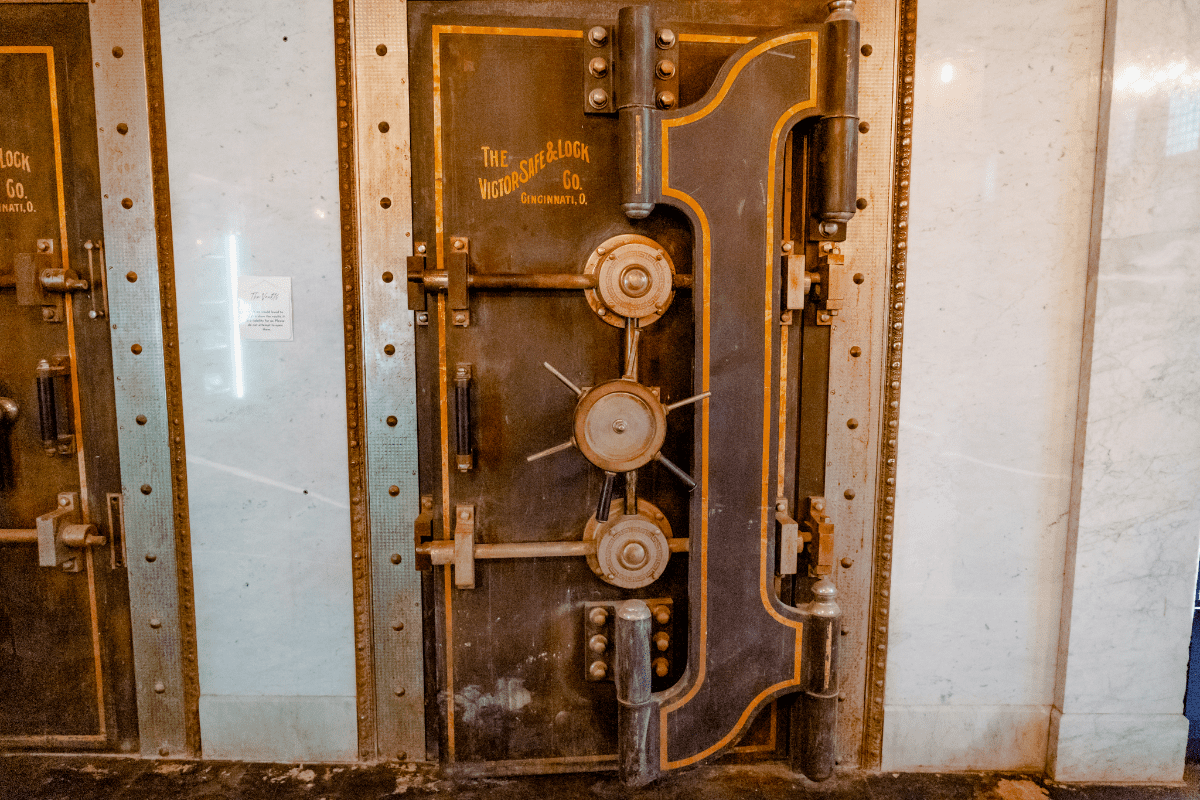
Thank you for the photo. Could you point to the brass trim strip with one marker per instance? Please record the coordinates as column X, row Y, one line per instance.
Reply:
column 174, row 387
column 355, row 423
column 872, row 743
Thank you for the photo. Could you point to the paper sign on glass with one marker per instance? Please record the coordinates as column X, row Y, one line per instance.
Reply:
column 265, row 308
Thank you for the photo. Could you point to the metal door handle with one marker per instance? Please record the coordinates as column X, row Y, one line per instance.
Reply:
column 464, row 459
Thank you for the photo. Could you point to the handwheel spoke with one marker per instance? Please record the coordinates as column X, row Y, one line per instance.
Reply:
column 578, row 392
column 549, row 451
column 675, row 470
column 693, row 399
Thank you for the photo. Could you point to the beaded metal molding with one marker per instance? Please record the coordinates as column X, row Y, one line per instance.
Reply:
column 872, row 745
column 174, row 389
column 359, row 534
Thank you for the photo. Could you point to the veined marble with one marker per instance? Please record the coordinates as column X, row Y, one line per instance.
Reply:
column 1125, row 650
column 1004, row 136
column 251, row 133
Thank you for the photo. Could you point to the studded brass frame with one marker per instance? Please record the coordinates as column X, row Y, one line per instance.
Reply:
column 872, row 744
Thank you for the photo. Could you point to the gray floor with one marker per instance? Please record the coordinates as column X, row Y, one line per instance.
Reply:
column 42, row 777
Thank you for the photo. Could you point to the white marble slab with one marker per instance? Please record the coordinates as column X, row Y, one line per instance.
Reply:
column 1125, row 651
column 1004, row 136
column 251, row 133
column 287, row 729
column 946, row 737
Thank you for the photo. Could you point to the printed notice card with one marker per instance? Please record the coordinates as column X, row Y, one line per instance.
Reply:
column 265, row 308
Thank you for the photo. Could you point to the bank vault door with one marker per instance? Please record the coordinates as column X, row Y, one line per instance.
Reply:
column 625, row 223
column 65, row 662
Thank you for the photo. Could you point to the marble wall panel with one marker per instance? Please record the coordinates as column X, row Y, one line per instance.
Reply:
column 1004, row 136
column 253, row 170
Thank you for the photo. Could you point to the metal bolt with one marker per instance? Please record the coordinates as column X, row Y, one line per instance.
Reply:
column 150, row 557
column 598, row 616
column 666, row 99
column 598, row 67
column 402, row 755
column 43, row 246
column 847, row 562
column 600, row 251
column 421, row 248
column 665, row 39
column 396, row 558
column 856, row 351
column 598, row 98
column 660, row 667
column 852, row 423
column 818, row 505
column 849, row 493
column 68, row 565
column 164, row 752
column 598, row 670
column 787, row 247
column 464, row 515
column 398, row 625
column 155, row 622
column 619, row 426
column 159, row 688
column 665, row 68
column 828, row 228
column 63, row 501
column 598, row 643
column 662, row 615
column 598, row 35
column 661, row 640
column 393, row 490
column 459, row 244
column 400, row 691
column 422, row 318
column 824, row 317
column 601, row 312
column 781, row 506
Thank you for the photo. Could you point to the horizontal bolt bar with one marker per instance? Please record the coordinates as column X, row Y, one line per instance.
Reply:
column 18, row 536
column 442, row 552
column 435, row 280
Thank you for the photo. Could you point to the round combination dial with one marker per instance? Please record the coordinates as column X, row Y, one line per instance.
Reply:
column 620, row 425
column 634, row 280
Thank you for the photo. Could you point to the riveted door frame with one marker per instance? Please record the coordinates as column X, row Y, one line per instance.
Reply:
column 131, row 132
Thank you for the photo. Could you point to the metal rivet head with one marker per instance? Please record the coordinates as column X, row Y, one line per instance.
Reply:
column 861, row 203
column 146, row 488
column 117, row 52
column 398, row 625
column 825, row 317
column 131, row 277
column 155, row 622
column 401, row 691
column 598, row 98
column 421, row 248
column 390, row 349
column 598, row 67
column 151, row 558
column 459, row 244
column 164, row 752
column 859, row 277
column 866, row 50
column 665, row 39
column 122, row 128
column 385, row 202
column 422, row 318
column 819, row 505
column 136, row 349
column 598, row 35
column 828, row 228
column 126, row 203
column 384, row 127
column 598, row 643
column 598, row 616
column 140, row 419
column 393, row 490
column 391, row 421
column 388, row 277
column 464, row 515
column 396, row 558
column 852, row 423
column 665, row 68
column 847, row 562
column 849, row 494
column 159, row 687
column 598, row 670
column 666, row 99
column 381, row 50
column 661, row 667
column 863, row 127
column 662, row 615
column 856, row 351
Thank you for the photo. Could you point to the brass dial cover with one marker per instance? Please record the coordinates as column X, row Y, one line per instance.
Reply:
column 632, row 550
column 634, row 277
column 620, row 425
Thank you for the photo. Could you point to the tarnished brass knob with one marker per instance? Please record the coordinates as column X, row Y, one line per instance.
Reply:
column 660, row 667
column 662, row 615
column 598, row 670
column 662, row 641
column 598, row 67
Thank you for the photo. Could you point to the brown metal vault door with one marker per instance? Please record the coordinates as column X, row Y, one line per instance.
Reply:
column 626, row 220
column 66, row 669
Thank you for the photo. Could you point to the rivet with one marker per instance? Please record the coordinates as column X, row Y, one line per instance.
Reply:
column 159, row 687
column 598, row 98
column 146, row 488
column 396, row 558
column 849, row 494
column 662, row 615
column 859, row 277
column 665, row 68
column 140, row 419
column 391, row 421
column 400, row 691
column 117, row 52
column 151, row 557
column 665, row 39
column 381, row 50
column 598, row 616
column 598, row 35
column 863, row 127
column 824, row 318
column 387, row 277
column 856, row 351
column 122, row 128
column 861, row 203
column 126, row 203
column 136, row 349
column 164, row 752
column 598, row 67
column 402, row 755
column 459, row 244
column 666, row 99
column 464, row 515
column 847, row 562
column 398, row 625
column 598, row 670
column 155, row 622
column 393, row 490
column 421, row 248
column 385, row 202
column 852, row 423
column 866, row 50
column 390, row 349
column 384, row 127
column 422, row 318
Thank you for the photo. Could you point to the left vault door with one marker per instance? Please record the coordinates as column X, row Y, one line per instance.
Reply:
column 66, row 664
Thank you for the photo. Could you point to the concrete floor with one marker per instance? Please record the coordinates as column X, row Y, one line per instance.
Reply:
column 47, row 777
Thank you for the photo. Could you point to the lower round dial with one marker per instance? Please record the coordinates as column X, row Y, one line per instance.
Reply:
column 632, row 550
